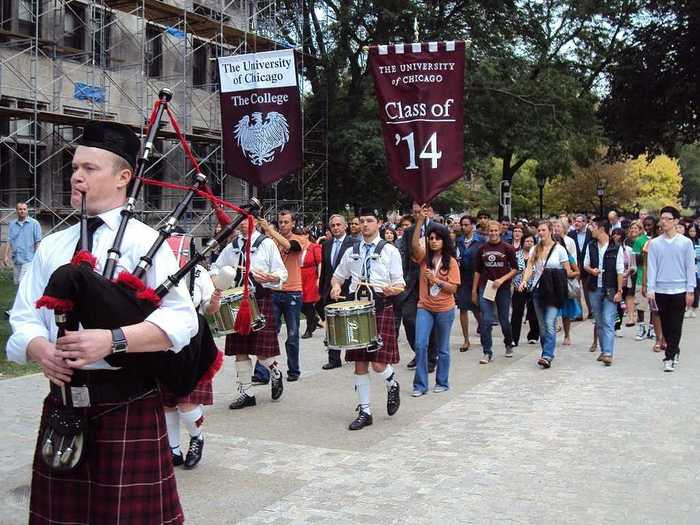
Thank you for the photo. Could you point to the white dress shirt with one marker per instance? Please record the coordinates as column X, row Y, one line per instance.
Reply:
column 175, row 316
column 203, row 288
column 385, row 269
column 335, row 248
column 265, row 257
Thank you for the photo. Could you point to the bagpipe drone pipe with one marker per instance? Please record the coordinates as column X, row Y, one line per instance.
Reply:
column 81, row 296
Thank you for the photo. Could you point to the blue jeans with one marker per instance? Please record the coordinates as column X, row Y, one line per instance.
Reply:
column 287, row 304
column 604, row 312
column 547, row 319
column 487, row 319
column 442, row 321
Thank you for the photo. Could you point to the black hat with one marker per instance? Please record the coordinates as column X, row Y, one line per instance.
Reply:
column 366, row 212
column 114, row 137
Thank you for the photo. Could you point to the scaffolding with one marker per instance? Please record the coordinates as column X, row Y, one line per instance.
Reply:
column 64, row 62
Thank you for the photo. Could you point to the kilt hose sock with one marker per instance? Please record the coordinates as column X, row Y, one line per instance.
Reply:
column 362, row 389
column 244, row 372
column 172, row 422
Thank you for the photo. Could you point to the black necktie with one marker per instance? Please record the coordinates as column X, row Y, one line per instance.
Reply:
column 92, row 224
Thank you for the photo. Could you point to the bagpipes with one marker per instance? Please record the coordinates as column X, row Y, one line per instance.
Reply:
column 81, row 296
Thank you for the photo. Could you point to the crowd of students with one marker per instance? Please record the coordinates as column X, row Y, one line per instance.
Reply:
column 545, row 275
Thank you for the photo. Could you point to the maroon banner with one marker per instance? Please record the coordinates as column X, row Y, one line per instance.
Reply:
column 420, row 90
column 260, row 116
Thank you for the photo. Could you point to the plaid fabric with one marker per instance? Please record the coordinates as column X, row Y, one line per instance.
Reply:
column 126, row 477
column 389, row 353
column 203, row 394
column 264, row 343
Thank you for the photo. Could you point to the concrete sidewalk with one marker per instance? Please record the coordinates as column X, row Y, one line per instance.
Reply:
column 509, row 443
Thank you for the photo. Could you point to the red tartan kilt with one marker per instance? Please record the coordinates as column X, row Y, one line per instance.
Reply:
column 203, row 394
column 264, row 343
column 126, row 476
column 389, row 353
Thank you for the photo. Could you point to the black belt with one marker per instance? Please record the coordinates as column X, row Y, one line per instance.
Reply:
column 98, row 387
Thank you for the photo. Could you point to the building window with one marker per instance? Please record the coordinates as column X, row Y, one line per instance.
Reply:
column 199, row 65
column 27, row 127
column 154, row 51
column 74, row 26
column 28, row 11
column 6, row 15
column 5, row 122
column 102, row 37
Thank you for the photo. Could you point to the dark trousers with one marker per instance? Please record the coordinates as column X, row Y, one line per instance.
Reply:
column 520, row 301
column 409, row 308
column 671, row 310
column 310, row 312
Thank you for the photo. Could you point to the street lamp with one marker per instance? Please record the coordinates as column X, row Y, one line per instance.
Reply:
column 540, row 185
column 601, row 193
column 347, row 211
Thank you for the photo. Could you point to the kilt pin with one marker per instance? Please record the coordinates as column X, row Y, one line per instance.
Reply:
column 389, row 352
column 126, row 475
column 262, row 343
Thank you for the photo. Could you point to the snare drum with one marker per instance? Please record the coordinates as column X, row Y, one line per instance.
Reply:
column 352, row 325
column 223, row 321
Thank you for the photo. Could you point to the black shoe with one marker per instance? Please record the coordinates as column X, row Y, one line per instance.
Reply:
column 178, row 460
column 393, row 399
column 431, row 367
column 411, row 364
column 242, row 401
column 194, row 454
column 257, row 380
column 363, row 419
column 291, row 379
column 307, row 335
column 277, row 386
column 331, row 366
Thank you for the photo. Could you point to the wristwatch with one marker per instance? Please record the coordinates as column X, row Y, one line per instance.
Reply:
column 119, row 343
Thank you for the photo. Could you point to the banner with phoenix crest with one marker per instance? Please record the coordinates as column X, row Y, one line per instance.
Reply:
column 260, row 116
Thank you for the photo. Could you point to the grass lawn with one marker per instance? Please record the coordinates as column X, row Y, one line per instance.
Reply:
column 7, row 296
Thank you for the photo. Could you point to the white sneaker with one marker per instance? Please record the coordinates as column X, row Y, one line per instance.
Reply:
column 651, row 334
column 618, row 333
column 641, row 332
column 417, row 393
column 439, row 388
column 693, row 314
column 686, row 314
column 668, row 366
column 676, row 360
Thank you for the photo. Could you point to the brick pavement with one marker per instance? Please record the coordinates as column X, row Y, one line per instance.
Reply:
column 579, row 443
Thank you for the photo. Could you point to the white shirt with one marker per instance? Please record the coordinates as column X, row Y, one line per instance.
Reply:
column 570, row 246
column 385, row 269
column 555, row 261
column 602, row 248
column 175, row 316
column 203, row 288
column 265, row 257
column 337, row 243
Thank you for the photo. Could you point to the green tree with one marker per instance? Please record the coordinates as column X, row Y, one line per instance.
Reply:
column 689, row 162
column 654, row 99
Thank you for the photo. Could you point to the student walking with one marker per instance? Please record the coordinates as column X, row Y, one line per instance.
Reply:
column 671, row 281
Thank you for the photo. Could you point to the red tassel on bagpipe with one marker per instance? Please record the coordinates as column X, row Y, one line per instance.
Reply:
column 244, row 317
column 214, row 368
column 84, row 257
column 60, row 306
column 130, row 281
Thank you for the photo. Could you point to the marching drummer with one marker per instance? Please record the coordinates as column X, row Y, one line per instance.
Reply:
column 267, row 274
column 189, row 409
column 378, row 264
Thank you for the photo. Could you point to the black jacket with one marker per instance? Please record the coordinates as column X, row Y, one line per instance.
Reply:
column 580, row 251
column 327, row 269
